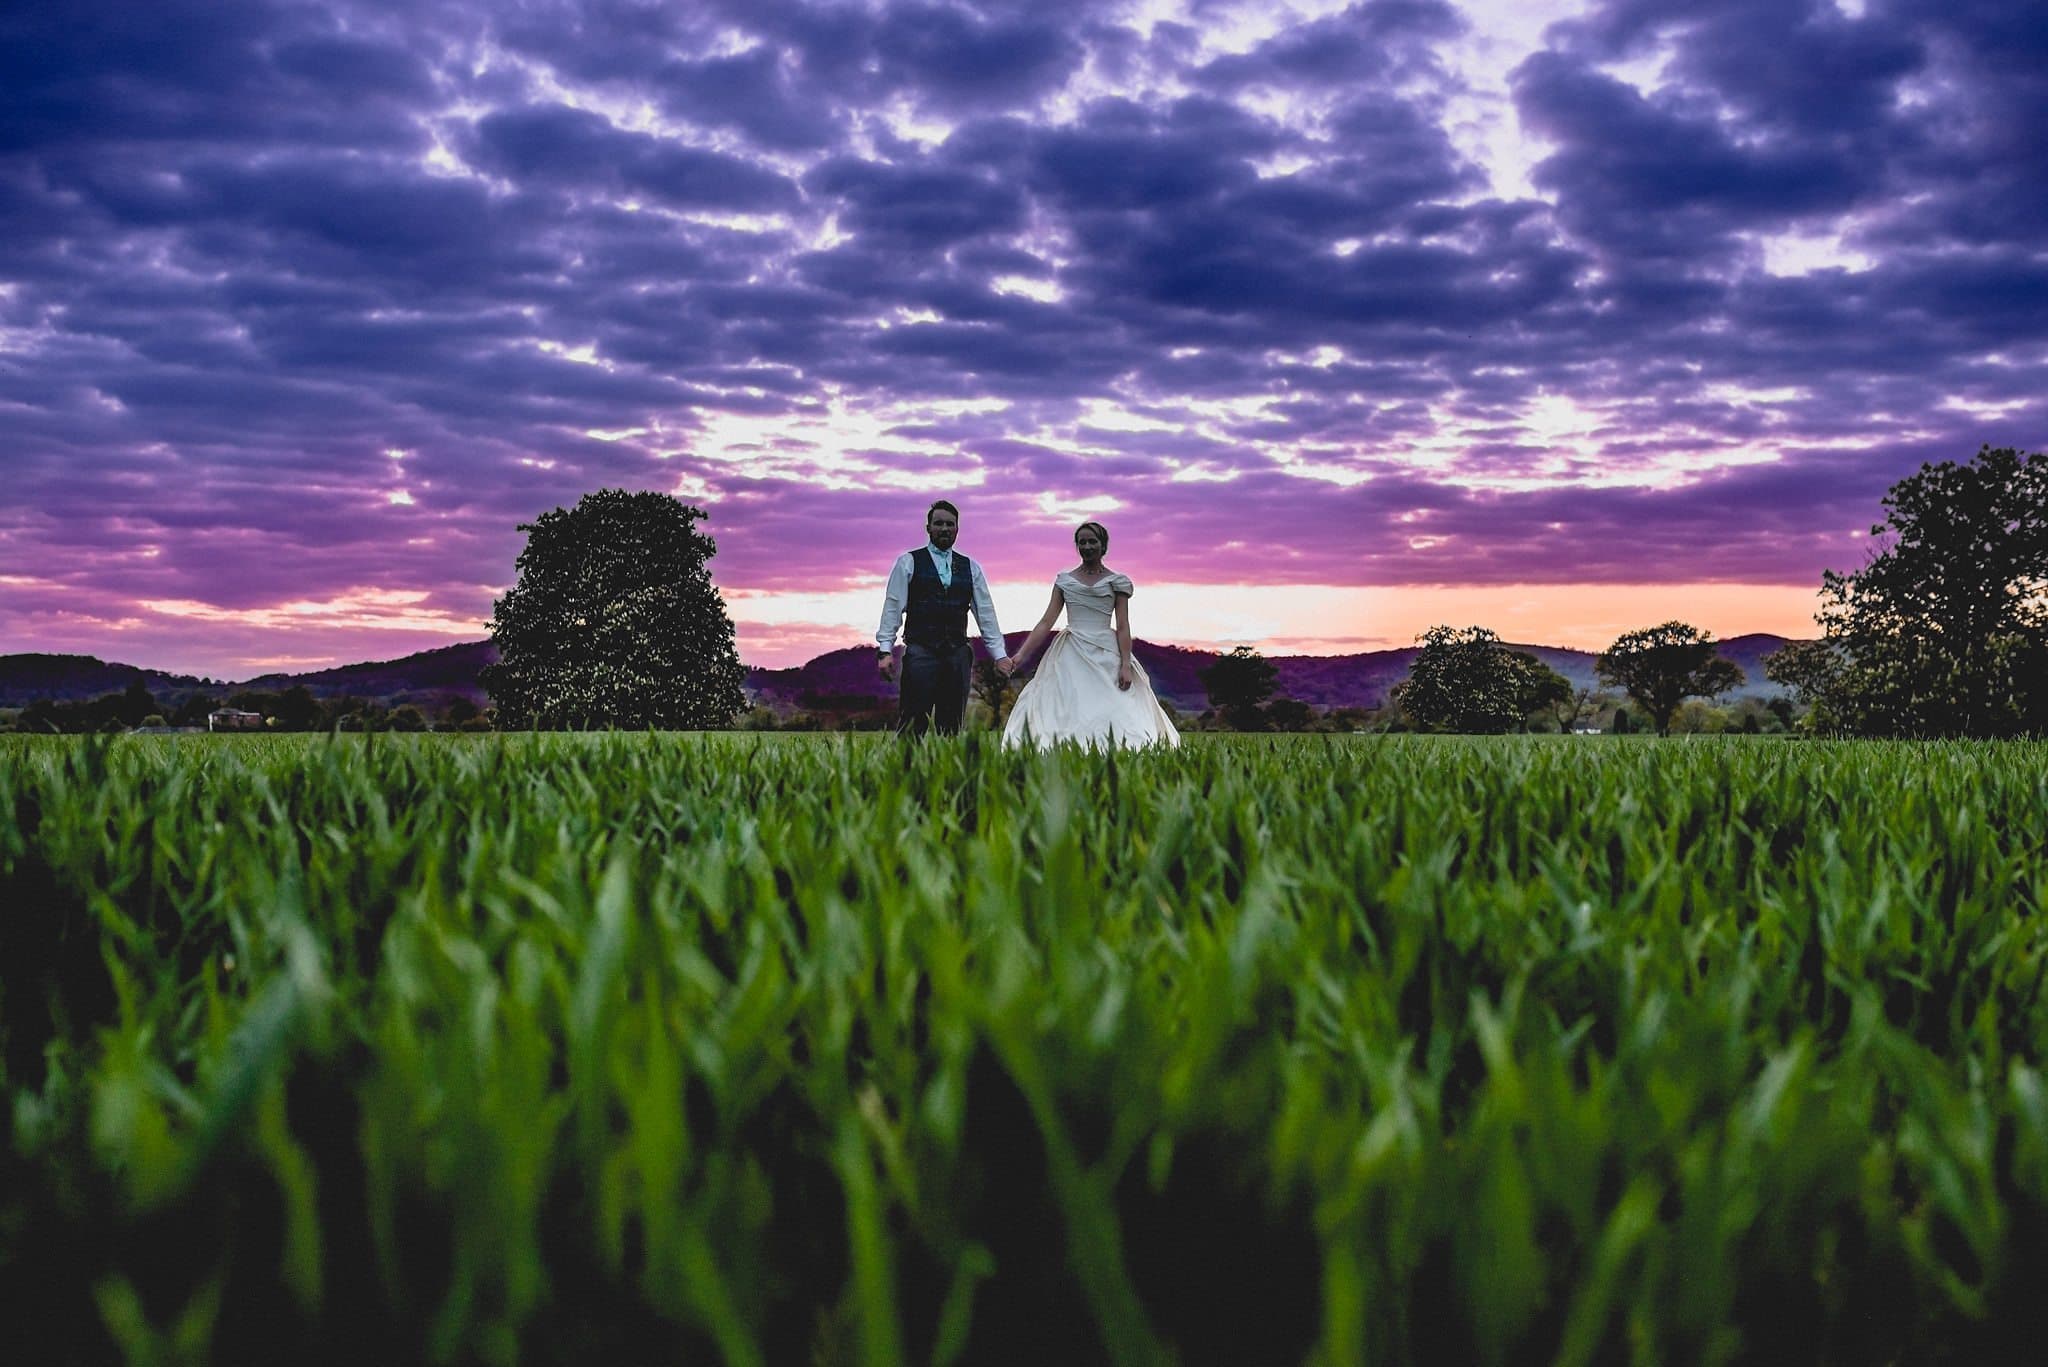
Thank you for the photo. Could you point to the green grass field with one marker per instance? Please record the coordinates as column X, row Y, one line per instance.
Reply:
column 780, row 1049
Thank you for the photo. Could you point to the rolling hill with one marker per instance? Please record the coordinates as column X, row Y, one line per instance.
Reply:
column 839, row 678
column 1361, row 680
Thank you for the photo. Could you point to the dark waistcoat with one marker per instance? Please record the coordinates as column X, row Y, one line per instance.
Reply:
column 935, row 614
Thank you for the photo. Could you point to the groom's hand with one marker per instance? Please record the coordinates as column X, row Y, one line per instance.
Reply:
column 887, row 665
column 1008, row 664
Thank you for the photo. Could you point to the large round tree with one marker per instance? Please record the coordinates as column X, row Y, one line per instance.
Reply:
column 1944, row 632
column 1661, row 666
column 615, row 621
column 1237, row 684
column 1461, row 680
column 1466, row 680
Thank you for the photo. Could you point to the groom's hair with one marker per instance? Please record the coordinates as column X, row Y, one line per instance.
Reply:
column 1100, row 531
column 942, row 506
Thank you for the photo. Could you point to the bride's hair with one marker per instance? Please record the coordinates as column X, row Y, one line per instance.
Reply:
column 1100, row 531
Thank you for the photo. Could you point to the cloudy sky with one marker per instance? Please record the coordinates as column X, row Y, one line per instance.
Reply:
column 1556, row 316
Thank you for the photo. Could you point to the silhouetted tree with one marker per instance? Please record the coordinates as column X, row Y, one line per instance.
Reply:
column 1464, row 679
column 1539, row 688
column 1569, row 712
column 1237, row 684
column 1289, row 714
column 135, row 704
column 615, row 621
column 1945, row 630
column 1814, row 671
column 299, row 710
column 1661, row 666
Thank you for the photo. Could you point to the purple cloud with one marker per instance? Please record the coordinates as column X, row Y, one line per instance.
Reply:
column 311, row 306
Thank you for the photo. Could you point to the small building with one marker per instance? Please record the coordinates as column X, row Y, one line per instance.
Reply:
column 233, row 719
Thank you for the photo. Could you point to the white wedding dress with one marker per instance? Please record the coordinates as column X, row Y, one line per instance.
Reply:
column 1073, row 695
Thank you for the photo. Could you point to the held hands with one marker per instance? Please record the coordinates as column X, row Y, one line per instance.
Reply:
column 1008, row 664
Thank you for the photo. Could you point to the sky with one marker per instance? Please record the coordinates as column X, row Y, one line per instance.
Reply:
column 1560, row 317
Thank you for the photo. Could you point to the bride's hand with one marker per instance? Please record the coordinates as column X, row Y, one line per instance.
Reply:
column 1124, row 677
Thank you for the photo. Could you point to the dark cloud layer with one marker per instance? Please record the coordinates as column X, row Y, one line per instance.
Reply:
column 313, row 304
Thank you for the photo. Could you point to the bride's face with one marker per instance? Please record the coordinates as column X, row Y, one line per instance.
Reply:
column 1088, row 544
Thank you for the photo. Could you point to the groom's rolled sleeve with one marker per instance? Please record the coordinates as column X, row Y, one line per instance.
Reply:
column 985, row 617
column 893, row 599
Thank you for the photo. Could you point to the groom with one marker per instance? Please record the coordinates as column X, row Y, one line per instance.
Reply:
column 931, row 591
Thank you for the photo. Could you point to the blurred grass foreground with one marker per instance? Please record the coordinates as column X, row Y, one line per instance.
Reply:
column 776, row 1049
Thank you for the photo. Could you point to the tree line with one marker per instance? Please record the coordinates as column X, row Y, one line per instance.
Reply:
column 1943, row 632
column 614, row 622
column 291, row 709
column 1465, row 679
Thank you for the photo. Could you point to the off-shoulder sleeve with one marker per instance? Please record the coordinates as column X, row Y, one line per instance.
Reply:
column 1120, row 584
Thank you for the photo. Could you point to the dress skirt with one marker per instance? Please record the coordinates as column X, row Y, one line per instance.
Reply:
column 1073, row 697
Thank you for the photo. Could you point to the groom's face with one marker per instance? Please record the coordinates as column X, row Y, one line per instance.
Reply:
column 941, row 526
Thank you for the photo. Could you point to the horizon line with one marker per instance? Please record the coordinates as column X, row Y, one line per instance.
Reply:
column 780, row 669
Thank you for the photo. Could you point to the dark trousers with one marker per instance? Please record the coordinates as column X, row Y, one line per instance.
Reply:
column 934, row 692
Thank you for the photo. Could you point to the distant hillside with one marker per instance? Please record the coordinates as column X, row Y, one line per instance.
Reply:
column 845, row 678
column 449, row 672
column 1749, row 651
column 848, row 677
column 1361, row 680
column 73, row 678
column 432, row 677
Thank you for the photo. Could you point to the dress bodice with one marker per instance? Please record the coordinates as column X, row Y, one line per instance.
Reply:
column 1091, row 608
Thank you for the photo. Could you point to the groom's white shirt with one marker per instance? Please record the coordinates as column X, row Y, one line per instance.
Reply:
column 898, row 595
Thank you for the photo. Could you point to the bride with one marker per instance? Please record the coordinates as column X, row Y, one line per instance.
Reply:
column 1088, row 688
